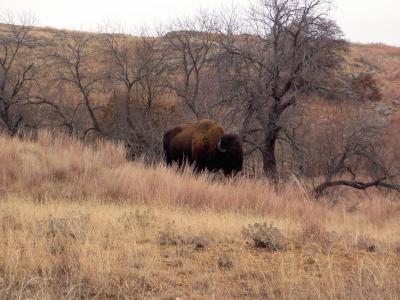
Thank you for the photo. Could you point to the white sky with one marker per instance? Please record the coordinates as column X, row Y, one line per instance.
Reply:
column 361, row 20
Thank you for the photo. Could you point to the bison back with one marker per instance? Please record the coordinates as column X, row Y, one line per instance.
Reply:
column 177, row 143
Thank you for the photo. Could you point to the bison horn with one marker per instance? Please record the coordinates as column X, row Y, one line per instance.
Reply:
column 220, row 148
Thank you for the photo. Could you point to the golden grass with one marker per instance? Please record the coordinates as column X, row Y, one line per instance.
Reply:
column 81, row 222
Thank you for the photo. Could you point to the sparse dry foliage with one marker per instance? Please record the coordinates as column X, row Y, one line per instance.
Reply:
column 351, row 153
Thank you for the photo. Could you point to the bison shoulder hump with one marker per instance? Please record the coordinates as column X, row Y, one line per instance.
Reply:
column 205, row 138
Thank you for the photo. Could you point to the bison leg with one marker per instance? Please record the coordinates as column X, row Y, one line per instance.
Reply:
column 168, row 159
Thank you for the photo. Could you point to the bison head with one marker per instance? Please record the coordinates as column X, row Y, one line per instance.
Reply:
column 231, row 153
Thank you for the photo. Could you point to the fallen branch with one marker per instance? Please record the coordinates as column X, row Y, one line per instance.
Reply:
column 319, row 190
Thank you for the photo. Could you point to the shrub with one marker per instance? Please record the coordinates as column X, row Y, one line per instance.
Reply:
column 365, row 87
column 264, row 236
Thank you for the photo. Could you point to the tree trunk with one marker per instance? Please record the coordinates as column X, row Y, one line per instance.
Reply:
column 10, row 126
column 127, row 108
column 271, row 131
column 268, row 155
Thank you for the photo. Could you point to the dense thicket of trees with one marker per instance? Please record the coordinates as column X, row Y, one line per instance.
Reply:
column 256, row 71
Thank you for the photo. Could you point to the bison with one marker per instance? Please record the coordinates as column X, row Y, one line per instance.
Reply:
column 204, row 145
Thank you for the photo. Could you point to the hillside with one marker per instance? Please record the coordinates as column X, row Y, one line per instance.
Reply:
column 77, row 220
column 81, row 222
column 382, row 61
column 131, row 89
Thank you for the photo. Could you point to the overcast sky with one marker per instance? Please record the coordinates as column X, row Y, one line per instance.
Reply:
column 361, row 20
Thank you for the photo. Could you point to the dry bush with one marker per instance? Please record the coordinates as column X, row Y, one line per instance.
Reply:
column 264, row 236
column 365, row 87
column 313, row 237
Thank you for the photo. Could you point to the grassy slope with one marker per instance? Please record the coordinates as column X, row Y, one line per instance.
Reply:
column 81, row 222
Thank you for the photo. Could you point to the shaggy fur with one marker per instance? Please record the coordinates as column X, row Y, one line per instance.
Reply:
column 197, row 143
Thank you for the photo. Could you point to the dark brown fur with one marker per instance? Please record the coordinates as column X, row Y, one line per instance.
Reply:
column 197, row 143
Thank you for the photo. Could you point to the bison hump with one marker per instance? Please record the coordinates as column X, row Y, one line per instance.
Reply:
column 205, row 140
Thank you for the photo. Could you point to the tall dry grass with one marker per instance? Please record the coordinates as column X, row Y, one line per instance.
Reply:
column 79, row 221
column 61, row 168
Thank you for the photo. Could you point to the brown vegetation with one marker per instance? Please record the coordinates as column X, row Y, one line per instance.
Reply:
column 79, row 221
column 274, row 86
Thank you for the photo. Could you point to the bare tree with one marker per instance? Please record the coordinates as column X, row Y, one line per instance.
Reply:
column 17, row 71
column 190, row 44
column 78, row 65
column 124, row 66
column 51, row 96
column 293, row 153
column 137, row 72
column 350, row 152
column 287, row 47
